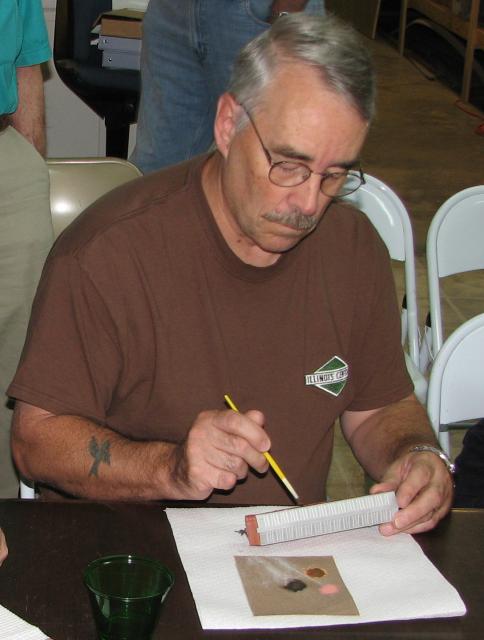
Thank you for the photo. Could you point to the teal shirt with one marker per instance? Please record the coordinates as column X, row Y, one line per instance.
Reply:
column 23, row 42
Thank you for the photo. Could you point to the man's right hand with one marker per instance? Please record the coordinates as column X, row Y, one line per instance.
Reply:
column 217, row 452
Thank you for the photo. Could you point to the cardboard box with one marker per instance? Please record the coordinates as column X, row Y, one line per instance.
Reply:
column 122, row 23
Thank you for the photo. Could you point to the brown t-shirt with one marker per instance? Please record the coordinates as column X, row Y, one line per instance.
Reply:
column 144, row 317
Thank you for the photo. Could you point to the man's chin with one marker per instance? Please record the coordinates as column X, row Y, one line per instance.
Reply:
column 283, row 242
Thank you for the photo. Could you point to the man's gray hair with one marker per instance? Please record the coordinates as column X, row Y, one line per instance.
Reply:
column 327, row 44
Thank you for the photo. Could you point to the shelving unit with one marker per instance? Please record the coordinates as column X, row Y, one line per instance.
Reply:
column 445, row 14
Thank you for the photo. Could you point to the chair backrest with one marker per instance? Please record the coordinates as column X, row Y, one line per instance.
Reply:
column 391, row 219
column 76, row 183
column 456, row 383
column 455, row 244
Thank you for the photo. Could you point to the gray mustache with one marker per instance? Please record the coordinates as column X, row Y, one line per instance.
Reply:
column 294, row 219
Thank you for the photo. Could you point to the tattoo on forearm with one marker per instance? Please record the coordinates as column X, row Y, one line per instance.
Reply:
column 100, row 453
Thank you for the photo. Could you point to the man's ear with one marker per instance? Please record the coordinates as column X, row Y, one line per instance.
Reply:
column 225, row 122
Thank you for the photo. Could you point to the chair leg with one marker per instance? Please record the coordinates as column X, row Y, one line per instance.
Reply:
column 117, row 140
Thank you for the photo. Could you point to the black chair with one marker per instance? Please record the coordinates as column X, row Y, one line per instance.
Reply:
column 113, row 94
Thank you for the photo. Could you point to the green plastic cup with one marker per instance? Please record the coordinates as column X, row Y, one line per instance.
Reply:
column 126, row 594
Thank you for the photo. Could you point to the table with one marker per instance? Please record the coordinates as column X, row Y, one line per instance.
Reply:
column 50, row 543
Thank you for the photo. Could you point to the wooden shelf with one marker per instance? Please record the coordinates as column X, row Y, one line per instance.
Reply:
column 444, row 15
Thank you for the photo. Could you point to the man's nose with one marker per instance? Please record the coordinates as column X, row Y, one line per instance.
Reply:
column 308, row 197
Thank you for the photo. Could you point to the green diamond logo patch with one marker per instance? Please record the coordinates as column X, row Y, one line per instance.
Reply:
column 331, row 377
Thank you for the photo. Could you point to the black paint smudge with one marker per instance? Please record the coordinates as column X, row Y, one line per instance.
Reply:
column 295, row 585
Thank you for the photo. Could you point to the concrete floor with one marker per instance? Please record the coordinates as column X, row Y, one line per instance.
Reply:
column 424, row 147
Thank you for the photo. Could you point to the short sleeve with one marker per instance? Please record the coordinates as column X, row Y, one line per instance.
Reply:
column 35, row 46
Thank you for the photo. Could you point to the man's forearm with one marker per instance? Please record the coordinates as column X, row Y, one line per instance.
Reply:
column 389, row 433
column 83, row 459
column 29, row 119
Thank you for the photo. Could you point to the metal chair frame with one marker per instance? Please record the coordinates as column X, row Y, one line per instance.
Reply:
column 454, row 245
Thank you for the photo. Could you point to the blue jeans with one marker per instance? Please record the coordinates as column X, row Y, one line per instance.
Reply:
column 188, row 51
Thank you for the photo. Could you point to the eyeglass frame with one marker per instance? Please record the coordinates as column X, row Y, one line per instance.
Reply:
column 357, row 172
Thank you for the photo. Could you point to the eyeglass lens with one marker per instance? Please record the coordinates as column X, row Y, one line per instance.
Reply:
column 292, row 174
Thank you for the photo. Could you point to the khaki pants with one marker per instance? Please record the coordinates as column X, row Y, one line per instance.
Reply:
column 25, row 239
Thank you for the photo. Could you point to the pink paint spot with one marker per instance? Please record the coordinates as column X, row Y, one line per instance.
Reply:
column 329, row 589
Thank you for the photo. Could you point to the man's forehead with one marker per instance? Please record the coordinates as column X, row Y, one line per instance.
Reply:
column 299, row 93
column 301, row 118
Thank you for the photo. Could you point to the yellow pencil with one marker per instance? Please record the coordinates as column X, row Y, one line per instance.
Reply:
column 277, row 469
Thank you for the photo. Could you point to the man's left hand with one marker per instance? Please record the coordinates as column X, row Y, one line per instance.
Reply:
column 424, row 491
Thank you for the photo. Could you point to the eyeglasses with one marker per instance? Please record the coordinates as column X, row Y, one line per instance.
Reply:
column 335, row 184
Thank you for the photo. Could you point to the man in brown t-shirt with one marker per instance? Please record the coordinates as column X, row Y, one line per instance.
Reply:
column 239, row 273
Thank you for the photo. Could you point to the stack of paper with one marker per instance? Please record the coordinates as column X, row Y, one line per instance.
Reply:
column 14, row 628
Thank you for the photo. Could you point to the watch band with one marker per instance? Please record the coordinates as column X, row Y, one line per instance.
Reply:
column 438, row 452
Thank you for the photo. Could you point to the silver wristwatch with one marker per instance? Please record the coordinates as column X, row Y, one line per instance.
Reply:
column 438, row 452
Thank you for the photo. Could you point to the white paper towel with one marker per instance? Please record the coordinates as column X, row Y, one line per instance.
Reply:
column 14, row 628
column 389, row 578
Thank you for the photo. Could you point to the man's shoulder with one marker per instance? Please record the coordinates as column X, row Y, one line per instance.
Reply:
column 155, row 189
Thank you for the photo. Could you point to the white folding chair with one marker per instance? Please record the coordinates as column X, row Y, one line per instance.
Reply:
column 455, row 244
column 456, row 383
column 75, row 183
column 27, row 491
column 391, row 220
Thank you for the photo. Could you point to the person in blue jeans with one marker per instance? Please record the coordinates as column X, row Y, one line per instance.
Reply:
column 187, row 56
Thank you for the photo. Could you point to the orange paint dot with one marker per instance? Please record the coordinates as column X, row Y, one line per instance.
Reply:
column 315, row 572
